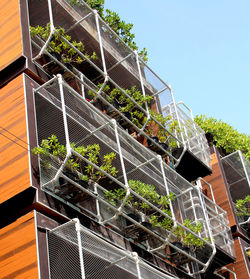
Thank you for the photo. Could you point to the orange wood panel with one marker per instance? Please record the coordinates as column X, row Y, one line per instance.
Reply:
column 18, row 253
column 219, row 189
column 14, row 158
column 10, row 32
column 241, row 265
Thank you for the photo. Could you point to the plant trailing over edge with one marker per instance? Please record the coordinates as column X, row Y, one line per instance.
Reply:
column 51, row 147
column 224, row 135
column 243, row 206
column 59, row 46
column 120, row 27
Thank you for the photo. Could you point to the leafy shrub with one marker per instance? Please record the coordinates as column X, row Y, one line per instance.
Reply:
column 120, row 27
column 243, row 206
column 224, row 135
column 52, row 147
column 59, row 46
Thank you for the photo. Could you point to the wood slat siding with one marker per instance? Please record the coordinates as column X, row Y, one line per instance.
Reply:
column 219, row 189
column 14, row 159
column 18, row 253
column 241, row 266
column 10, row 32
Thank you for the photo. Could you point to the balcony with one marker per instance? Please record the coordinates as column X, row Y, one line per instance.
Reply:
column 102, row 69
column 76, row 252
column 237, row 172
column 133, row 190
column 194, row 142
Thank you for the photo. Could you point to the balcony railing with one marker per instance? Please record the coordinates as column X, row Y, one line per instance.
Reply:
column 75, row 252
column 189, row 132
column 111, row 193
column 116, row 66
column 218, row 221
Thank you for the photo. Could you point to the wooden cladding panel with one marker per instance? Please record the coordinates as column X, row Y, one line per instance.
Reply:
column 241, row 265
column 219, row 189
column 10, row 32
column 14, row 158
column 18, row 253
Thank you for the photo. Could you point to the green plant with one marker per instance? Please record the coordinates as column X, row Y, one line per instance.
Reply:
column 125, row 104
column 51, row 147
column 248, row 253
column 243, row 206
column 224, row 135
column 146, row 191
column 59, row 46
column 168, row 125
column 120, row 27
column 188, row 239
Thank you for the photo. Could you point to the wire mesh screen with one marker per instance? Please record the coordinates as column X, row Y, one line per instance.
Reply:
column 237, row 171
column 95, row 166
column 219, row 225
column 99, row 258
column 189, row 133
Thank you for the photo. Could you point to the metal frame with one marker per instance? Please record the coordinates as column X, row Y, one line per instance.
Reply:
column 74, row 233
column 224, row 268
column 221, row 232
column 192, row 136
column 165, row 92
column 169, row 179
column 240, row 166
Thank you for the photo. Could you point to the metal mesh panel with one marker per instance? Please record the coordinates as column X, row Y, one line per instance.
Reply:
column 237, row 171
column 100, row 259
column 115, row 63
column 219, row 225
column 80, row 124
column 190, row 133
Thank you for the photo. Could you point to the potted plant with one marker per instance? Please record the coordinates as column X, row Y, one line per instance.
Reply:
column 158, row 133
column 124, row 105
column 139, row 210
column 182, row 239
column 53, row 153
column 186, row 241
column 60, row 50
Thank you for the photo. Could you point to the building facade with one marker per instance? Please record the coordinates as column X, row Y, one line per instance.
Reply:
column 101, row 171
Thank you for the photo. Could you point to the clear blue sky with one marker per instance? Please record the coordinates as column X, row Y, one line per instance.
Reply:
column 200, row 48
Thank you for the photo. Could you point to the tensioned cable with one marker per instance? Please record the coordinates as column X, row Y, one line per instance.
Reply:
column 16, row 137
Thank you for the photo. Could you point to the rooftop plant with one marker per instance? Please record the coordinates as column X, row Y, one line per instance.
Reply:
column 120, row 27
column 224, row 135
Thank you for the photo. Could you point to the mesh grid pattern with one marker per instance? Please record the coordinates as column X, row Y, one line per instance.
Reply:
column 100, row 259
column 237, row 171
column 190, row 133
column 87, row 126
column 219, row 225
